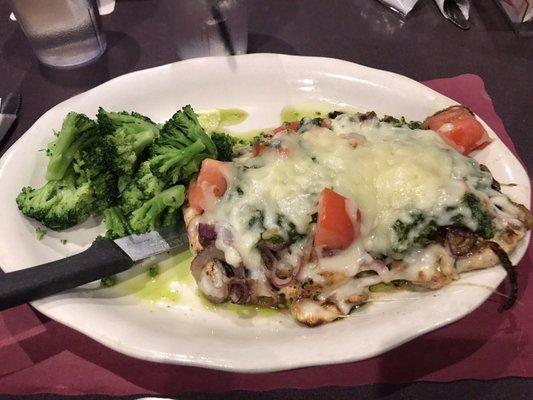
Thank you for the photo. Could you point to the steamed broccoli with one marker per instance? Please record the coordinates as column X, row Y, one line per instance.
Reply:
column 126, row 136
column 58, row 204
column 102, row 167
column 158, row 210
column 224, row 144
column 175, row 165
column 182, row 130
column 116, row 223
column 105, row 191
column 89, row 164
column 39, row 233
column 77, row 132
column 143, row 186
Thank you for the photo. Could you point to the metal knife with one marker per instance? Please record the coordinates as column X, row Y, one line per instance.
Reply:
column 9, row 107
column 105, row 257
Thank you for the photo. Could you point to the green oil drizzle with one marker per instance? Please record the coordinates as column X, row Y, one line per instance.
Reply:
column 243, row 311
column 231, row 116
column 289, row 114
column 159, row 287
column 216, row 120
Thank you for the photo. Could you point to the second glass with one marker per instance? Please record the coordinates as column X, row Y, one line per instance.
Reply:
column 199, row 28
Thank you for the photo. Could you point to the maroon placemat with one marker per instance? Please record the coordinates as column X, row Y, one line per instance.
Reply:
column 39, row 355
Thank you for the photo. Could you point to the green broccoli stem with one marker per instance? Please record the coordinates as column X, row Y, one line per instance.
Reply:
column 143, row 139
column 172, row 162
column 150, row 215
column 116, row 223
column 195, row 130
column 76, row 132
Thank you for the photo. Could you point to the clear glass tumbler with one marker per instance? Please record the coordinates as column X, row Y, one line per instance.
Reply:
column 200, row 25
column 63, row 33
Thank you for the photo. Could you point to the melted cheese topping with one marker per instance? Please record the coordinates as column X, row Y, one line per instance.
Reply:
column 391, row 172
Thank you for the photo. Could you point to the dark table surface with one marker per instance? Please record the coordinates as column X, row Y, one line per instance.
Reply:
column 423, row 46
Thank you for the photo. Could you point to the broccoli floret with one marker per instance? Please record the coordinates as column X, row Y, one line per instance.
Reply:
column 182, row 130
column 178, row 152
column 169, row 165
column 105, row 191
column 224, row 144
column 116, row 223
column 141, row 188
column 58, row 204
column 153, row 271
column 108, row 281
column 157, row 210
column 89, row 163
column 127, row 136
column 77, row 132
column 39, row 233
column 110, row 121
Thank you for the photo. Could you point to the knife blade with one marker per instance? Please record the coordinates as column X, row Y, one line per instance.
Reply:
column 10, row 104
column 105, row 257
column 9, row 108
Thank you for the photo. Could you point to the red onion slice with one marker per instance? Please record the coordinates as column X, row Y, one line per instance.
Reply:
column 377, row 266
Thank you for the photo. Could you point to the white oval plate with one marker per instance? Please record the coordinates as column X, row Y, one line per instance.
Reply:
column 190, row 334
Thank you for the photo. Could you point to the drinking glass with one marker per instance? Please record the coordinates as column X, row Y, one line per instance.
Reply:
column 63, row 33
column 202, row 25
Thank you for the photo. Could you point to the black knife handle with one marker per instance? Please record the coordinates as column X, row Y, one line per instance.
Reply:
column 103, row 258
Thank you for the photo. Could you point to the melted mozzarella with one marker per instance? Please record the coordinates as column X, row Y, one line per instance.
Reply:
column 346, row 262
column 390, row 173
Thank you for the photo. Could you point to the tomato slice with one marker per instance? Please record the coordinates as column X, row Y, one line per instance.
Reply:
column 195, row 196
column 338, row 223
column 293, row 126
column 210, row 184
column 459, row 127
column 258, row 149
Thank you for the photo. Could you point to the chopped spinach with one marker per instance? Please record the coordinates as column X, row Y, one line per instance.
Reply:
column 402, row 230
column 306, row 123
column 401, row 122
column 422, row 229
column 276, row 239
column 289, row 227
column 416, row 125
column 485, row 225
column 257, row 218
column 334, row 114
